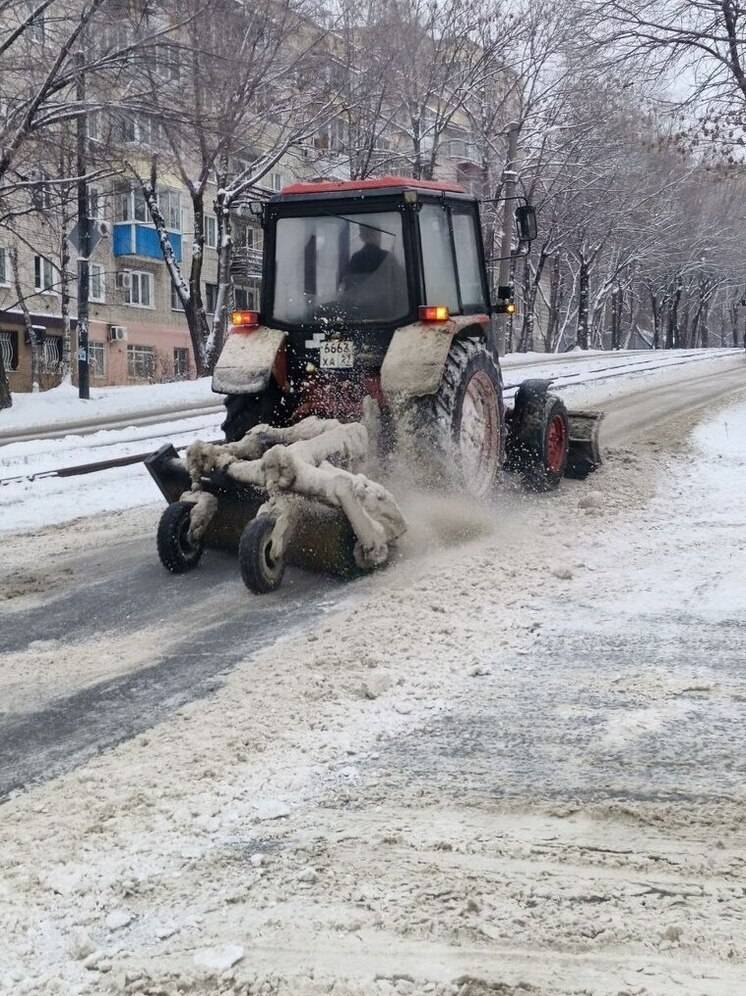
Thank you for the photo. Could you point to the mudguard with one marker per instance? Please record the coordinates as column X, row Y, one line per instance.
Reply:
column 414, row 362
column 246, row 362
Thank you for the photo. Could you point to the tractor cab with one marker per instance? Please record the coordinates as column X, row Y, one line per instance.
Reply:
column 371, row 253
column 345, row 266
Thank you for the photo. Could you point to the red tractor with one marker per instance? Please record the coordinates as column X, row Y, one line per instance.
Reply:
column 375, row 295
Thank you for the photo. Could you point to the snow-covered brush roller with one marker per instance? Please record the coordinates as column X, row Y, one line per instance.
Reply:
column 376, row 338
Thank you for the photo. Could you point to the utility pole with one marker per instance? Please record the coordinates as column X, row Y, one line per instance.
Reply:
column 84, row 234
column 509, row 183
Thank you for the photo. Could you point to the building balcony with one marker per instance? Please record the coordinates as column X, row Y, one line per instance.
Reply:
column 246, row 262
column 133, row 239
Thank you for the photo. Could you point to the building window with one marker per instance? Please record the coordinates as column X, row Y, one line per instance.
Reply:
column 129, row 205
column 276, row 181
column 97, row 358
column 181, row 363
column 136, row 287
column 41, row 193
column 211, row 231
column 124, row 129
column 140, row 362
column 332, row 136
column 246, row 298
column 96, row 283
column 45, row 275
column 169, row 202
column 4, row 267
column 176, row 304
column 168, row 62
column 51, row 353
column 211, row 298
column 93, row 126
column 138, row 129
column 9, row 349
column 247, row 237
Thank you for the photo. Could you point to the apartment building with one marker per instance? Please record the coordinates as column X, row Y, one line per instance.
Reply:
column 137, row 328
column 138, row 332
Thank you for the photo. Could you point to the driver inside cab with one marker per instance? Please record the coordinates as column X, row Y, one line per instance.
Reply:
column 374, row 284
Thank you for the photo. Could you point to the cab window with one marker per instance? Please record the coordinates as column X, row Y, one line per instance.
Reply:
column 465, row 238
column 437, row 258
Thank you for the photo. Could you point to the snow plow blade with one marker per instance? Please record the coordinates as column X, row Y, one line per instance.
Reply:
column 584, row 451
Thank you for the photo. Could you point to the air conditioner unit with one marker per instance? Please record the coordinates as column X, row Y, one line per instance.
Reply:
column 123, row 280
column 117, row 333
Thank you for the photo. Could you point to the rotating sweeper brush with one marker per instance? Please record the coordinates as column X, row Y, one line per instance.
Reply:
column 376, row 336
column 279, row 494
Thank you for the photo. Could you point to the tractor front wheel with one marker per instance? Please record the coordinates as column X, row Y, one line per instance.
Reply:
column 544, row 444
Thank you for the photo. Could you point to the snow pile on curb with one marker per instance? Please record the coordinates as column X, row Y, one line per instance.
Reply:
column 61, row 405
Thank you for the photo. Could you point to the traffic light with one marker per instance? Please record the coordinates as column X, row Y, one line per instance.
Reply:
column 505, row 304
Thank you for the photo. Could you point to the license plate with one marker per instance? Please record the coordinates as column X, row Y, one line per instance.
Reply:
column 337, row 354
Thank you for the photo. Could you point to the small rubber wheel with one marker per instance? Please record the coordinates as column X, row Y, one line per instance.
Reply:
column 548, row 461
column 178, row 554
column 261, row 572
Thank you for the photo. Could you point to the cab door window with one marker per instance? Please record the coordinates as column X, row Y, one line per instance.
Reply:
column 437, row 258
column 465, row 238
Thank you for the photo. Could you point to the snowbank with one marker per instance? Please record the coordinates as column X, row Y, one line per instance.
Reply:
column 62, row 405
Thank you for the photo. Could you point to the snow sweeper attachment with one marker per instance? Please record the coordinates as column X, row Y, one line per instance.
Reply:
column 289, row 494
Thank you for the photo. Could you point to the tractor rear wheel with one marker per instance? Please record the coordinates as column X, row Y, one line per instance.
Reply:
column 244, row 411
column 460, row 428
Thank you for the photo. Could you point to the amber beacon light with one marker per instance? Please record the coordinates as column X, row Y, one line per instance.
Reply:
column 244, row 319
column 433, row 313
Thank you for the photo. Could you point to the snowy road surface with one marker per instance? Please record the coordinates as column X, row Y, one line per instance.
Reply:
column 514, row 763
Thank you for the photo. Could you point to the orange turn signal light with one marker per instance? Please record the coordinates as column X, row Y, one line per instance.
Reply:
column 244, row 319
column 433, row 313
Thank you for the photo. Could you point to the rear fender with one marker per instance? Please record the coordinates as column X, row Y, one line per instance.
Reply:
column 414, row 362
column 247, row 361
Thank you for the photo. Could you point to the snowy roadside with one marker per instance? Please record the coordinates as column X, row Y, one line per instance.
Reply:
column 61, row 406
column 445, row 786
column 32, row 504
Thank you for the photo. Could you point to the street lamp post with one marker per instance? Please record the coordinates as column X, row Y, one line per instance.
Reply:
column 84, row 235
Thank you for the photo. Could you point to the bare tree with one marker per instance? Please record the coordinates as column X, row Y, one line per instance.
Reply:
column 227, row 108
